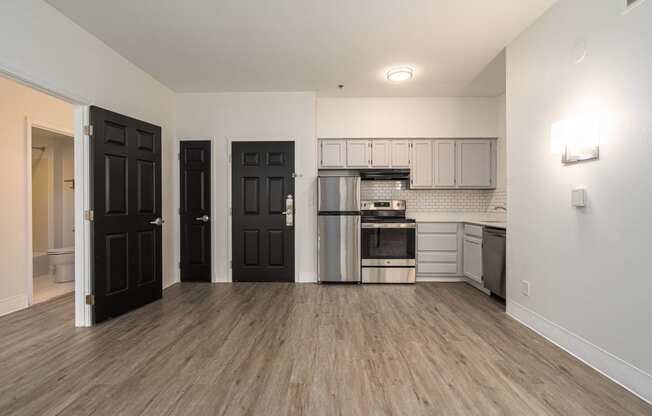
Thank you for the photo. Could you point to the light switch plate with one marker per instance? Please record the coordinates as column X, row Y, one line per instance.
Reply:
column 578, row 197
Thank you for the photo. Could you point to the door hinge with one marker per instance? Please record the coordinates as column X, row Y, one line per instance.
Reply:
column 230, row 264
column 89, row 215
column 90, row 299
column 231, row 211
column 179, row 264
column 88, row 130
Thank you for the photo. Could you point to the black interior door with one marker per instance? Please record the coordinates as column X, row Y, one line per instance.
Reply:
column 263, row 242
column 195, row 211
column 126, row 202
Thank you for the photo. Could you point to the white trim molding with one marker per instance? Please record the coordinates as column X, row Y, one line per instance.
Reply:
column 614, row 368
column 13, row 304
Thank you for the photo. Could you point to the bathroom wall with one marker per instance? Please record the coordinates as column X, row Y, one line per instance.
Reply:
column 52, row 197
column 41, row 195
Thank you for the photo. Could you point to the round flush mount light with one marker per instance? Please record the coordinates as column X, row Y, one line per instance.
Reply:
column 401, row 73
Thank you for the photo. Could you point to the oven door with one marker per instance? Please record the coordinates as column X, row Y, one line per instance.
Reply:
column 388, row 244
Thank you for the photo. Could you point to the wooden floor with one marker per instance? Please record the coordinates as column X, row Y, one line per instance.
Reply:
column 283, row 349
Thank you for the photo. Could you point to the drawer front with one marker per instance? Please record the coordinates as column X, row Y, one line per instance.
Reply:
column 437, row 227
column 474, row 230
column 437, row 268
column 437, row 242
column 437, row 256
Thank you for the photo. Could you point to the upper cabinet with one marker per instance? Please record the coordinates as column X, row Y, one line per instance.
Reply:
column 476, row 164
column 400, row 153
column 433, row 163
column 381, row 154
column 332, row 153
column 358, row 153
column 444, row 161
column 421, row 169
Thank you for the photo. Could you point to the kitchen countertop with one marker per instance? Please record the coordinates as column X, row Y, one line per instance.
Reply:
column 477, row 218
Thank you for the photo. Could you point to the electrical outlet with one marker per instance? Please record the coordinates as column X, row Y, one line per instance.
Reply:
column 525, row 288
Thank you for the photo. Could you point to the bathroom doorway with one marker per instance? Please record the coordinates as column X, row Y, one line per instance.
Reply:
column 53, row 212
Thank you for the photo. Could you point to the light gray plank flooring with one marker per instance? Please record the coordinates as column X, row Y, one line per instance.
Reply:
column 283, row 349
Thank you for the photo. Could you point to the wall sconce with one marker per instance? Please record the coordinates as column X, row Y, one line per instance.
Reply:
column 577, row 140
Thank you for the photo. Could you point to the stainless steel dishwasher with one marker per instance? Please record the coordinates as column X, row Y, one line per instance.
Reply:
column 493, row 260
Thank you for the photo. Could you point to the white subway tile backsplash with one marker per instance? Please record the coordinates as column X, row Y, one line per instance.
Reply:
column 424, row 200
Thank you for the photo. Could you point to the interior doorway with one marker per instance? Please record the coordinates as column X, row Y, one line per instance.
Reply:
column 30, row 111
column 53, row 211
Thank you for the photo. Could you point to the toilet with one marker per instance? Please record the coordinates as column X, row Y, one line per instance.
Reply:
column 62, row 261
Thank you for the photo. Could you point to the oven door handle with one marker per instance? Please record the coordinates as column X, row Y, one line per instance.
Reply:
column 377, row 225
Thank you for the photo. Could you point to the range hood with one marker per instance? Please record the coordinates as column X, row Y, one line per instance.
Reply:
column 385, row 175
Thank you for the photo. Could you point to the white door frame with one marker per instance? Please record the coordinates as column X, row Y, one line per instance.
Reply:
column 229, row 217
column 83, row 284
column 30, row 124
column 177, row 201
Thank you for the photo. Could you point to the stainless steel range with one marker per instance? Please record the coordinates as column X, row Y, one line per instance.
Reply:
column 388, row 242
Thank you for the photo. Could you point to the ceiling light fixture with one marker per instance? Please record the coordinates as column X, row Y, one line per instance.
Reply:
column 401, row 73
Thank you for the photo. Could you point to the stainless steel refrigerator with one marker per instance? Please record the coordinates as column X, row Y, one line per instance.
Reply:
column 338, row 231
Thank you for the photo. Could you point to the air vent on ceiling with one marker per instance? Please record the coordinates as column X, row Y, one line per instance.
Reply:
column 632, row 3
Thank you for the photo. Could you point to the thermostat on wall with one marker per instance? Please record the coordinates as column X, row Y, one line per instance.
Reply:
column 578, row 197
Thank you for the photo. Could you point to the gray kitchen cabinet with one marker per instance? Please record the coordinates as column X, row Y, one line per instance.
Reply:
column 421, row 167
column 476, row 163
column 473, row 252
column 358, row 153
column 444, row 163
column 381, row 153
column 439, row 250
column 332, row 154
column 400, row 153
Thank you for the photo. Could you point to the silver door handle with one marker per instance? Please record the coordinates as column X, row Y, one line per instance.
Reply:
column 203, row 218
column 289, row 211
column 158, row 222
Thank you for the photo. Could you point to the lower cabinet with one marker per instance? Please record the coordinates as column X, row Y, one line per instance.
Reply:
column 473, row 252
column 439, row 249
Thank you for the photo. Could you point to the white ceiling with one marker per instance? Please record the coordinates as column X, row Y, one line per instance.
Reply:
column 313, row 45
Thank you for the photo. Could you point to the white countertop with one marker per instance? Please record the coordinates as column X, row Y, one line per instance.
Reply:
column 478, row 218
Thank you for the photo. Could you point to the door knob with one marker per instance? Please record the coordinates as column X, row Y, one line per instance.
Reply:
column 203, row 218
column 158, row 222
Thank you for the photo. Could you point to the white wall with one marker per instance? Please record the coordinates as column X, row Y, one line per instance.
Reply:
column 590, row 270
column 41, row 45
column 407, row 117
column 256, row 116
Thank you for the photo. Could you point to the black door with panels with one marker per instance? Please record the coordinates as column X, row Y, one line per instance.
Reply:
column 126, row 204
column 263, row 211
column 195, row 211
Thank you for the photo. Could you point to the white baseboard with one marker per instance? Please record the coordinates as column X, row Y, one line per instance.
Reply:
column 168, row 284
column 430, row 279
column 616, row 369
column 13, row 304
